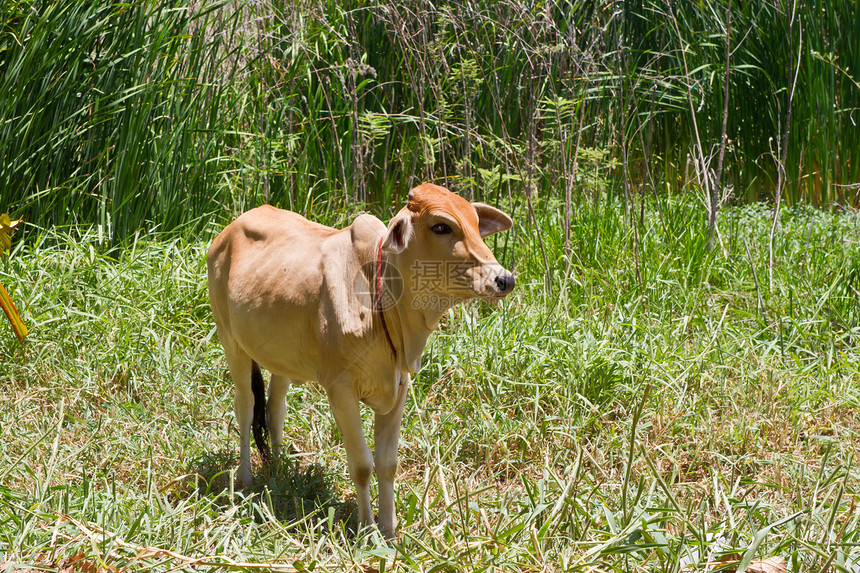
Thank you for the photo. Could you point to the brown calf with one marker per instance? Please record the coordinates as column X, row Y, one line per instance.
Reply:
column 351, row 309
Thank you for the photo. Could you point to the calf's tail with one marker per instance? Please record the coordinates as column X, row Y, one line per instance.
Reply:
column 259, row 423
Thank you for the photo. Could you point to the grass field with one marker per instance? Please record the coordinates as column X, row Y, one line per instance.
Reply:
column 656, row 407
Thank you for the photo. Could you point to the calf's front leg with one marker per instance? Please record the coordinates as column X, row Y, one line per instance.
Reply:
column 386, row 431
column 345, row 407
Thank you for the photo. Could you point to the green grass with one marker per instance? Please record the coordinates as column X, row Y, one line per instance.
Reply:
column 605, row 425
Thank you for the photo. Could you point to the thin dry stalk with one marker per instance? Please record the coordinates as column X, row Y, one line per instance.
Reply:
column 702, row 171
column 628, row 200
column 755, row 279
column 530, row 169
column 783, row 141
column 570, row 188
column 712, row 215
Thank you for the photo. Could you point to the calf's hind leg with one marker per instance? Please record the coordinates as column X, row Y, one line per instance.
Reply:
column 240, row 366
column 277, row 410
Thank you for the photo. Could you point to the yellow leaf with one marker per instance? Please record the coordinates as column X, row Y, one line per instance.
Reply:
column 7, row 227
column 12, row 314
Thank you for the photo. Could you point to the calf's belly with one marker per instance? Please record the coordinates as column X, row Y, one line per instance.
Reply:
column 283, row 347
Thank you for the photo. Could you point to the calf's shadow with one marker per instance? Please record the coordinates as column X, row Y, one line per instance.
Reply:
column 294, row 491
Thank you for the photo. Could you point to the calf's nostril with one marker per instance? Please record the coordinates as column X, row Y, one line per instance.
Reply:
column 505, row 282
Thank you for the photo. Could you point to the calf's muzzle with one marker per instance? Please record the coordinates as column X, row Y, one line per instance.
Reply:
column 505, row 282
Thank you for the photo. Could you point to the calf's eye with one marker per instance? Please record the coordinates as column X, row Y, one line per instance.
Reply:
column 441, row 229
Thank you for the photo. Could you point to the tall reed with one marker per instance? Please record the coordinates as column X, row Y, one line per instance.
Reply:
column 138, row 114
column 363, row 98
column 112, row 112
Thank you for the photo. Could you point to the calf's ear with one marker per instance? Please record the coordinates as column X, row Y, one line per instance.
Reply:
column 491, row 220
column 399, row 233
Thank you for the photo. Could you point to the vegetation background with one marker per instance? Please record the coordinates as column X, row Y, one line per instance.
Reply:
column 673, row 386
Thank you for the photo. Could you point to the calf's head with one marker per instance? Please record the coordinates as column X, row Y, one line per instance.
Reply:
column 438, row 241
